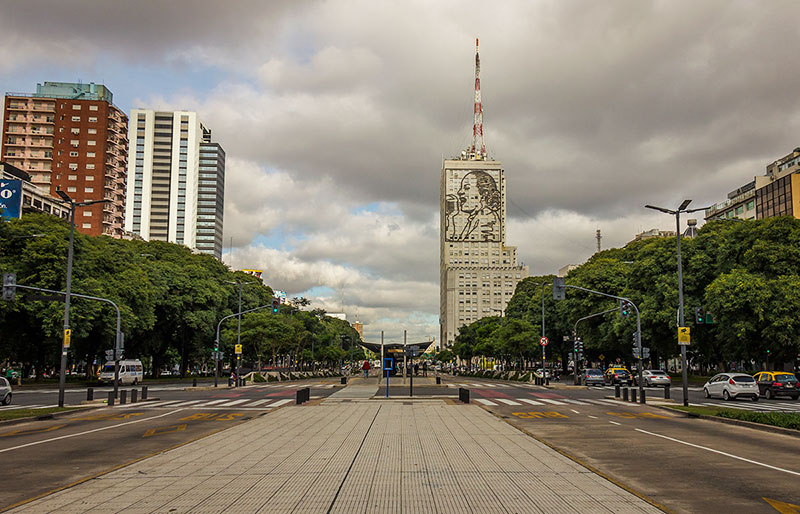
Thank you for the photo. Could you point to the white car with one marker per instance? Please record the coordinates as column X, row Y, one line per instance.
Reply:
column 538, row 373
column 5, row 392
column 731, row 385
column 653, row 378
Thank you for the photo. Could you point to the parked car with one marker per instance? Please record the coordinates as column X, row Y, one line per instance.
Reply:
column 130, row 372
column 731, row 386
column 653, row 378
column 774, row 383
column 618, row 375
column 5, row 392
column 592, row 376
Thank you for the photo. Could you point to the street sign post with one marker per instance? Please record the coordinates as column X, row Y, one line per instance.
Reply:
column 544, row 341
column 238, row 349
column 388, row 364
column 67, row 337
column 684, row 336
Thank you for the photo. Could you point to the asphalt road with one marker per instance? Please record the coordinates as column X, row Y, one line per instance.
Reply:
column 42, row 456
column 687, row 465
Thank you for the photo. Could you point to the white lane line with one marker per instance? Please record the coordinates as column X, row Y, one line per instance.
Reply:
column 88, row 431
column 10, row 407
column 257, row 403
column 214, row 402
column 712, row 450
column 234, row 402
column 146, row 404
column 532, row 402
column 482, row 385
column 554, row 402
column 184, row 404
column 463, row 385
column 508, row 402
column 576, row 402
column 576, row 412
column 281, row 402
column 593, row 417
column 486, row 402
column 614, row 423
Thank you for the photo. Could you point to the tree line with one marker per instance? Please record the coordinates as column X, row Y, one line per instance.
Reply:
column 170, row 299
column 747, row 274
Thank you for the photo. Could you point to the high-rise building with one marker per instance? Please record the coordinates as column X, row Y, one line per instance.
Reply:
column 166, row 190
column 71, row 136
column 478, row 272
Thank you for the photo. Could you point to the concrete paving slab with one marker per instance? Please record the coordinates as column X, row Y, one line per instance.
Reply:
column 359, row 456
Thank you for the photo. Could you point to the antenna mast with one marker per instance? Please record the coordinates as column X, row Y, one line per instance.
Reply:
column 478, row 147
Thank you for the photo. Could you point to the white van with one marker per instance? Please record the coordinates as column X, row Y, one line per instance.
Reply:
column 130, row 372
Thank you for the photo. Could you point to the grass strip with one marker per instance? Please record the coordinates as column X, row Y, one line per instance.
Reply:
column 789, row 420
column 27, row 413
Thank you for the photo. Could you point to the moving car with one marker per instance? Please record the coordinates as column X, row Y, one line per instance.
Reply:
column 592, row 376
column 731, row 386
column 538, row 373
column 653, row 378
column 5, row 392
column 130, row 372
column 618, row 375
column 774, row 383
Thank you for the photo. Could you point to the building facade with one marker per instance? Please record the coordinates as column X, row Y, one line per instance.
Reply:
column 34, row 198
column 164, row 189
column 741, row 203
column 70, row 136
column 778, row 192
column 478, row 272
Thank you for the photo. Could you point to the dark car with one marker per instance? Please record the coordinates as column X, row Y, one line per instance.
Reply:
column 592, row 376
column 774, row 383
column 618, row 375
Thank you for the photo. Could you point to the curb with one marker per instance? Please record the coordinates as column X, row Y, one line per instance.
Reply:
column 53, row 415
column 738, row 422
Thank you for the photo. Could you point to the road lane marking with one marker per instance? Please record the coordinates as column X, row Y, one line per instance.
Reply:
column 234, row 402
column 539, row 415
column 532, row 402
column 184, row 404
column 28, row 431
column 508, row 402
column 165, row 430
column 593, row 417
column 712, row 450
column 486, row 402
column 214, row 402
column 614, row 423
column 257, row 403
column 576, row 412
column 554, row 402
column 280, row 402
column 88, row 431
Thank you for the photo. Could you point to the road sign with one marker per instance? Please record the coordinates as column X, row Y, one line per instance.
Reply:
column 238, row 349
column 388, row 364
column 543, row 341
column 67, row 337
column 10, row 198
column 684, row 335
column 602, row 357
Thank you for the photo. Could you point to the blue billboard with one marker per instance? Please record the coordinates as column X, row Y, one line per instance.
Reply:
column 10, row 198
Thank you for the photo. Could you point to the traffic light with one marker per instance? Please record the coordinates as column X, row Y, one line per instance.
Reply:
column 624, row 308
column 9, row 286
column 559, row 288
column 276, row 305
column 699, row 315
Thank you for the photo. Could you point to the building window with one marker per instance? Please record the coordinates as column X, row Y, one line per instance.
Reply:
column 92, row 119
column 90, row 154
column 91, row 143
column 91, row 131
column 92, row 107
column 73, row 166
column 89, row 178
column 90, row 166
column 88, row 190
column 73, row 154
column 71, row 189
column 751, row 205
column 74, row 142
column 76, row 118
column 87, row 213
column 87, row 225
column 72, row 177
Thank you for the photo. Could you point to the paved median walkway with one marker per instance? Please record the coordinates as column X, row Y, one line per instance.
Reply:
column 361, row 456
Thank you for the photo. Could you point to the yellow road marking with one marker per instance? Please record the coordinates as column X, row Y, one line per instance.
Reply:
column 164, row 430
column 26, row 431
column 539, row 415
column 783, row 507
column 213, row 416
column 109, row 417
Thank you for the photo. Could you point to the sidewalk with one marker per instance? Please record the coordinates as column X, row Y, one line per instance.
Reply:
column 363, row 456
column 357, row 388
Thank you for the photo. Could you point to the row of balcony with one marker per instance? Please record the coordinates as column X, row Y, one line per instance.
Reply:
column 13, row 118
column 24, row 106
column 47, row 143
column 29, row 130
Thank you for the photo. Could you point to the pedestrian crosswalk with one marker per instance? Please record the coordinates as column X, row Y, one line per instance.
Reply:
column 756, row 407
column 247, row 404
column 12, row 407
column 498, row 385
column 544, row 402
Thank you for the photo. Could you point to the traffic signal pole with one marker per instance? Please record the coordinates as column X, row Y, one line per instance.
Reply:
column 575, row 336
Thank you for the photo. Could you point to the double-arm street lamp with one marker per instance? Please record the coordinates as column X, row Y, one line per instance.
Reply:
column 65, row 341
column 677, row 213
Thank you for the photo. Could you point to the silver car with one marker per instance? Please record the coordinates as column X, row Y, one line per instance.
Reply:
column 731, row 385
column 653, row 378
column 592, row 376
column 5, row 392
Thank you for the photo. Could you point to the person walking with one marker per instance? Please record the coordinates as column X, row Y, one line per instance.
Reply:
column 425, row 369
column 365, row 367
column 416, row 369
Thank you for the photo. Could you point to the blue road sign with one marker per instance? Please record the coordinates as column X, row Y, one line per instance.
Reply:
column 10, row 198
column 388, row 364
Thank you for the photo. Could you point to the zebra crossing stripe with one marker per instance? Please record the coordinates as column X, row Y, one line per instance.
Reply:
column 258, row 402
column 184, row 404
column 234, row 402
column 481, row 385
column 214, row 402
column 508, row 402
column 576, row 402
column 531, row 402
column 281, row 402
column 149, row 404
column 554, row 402
column 486, row 402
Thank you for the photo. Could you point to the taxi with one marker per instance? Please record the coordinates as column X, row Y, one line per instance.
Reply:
column 774, row 383
column 618, row 375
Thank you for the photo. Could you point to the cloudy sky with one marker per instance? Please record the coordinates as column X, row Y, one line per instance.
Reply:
column 336, row 116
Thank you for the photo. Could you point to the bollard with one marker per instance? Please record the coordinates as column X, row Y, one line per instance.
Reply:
column 299, row 397
column 643, row 399
column 134, row 393
column 194, row 382
column 666, row 392
column 344, row 380
column 111, row 398
column 616, row 391
column 633, row 395
column 463, row 395
column 625, row 395
column 438, row 380
column 144, row 392
column 90, row 394
column 123, row 396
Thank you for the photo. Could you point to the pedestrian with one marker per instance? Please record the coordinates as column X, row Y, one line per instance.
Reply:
column 425, row 369
column 365, row 367
column 416, row 369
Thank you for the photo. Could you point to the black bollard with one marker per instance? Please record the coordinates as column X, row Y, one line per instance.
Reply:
column 111, row 398
column 643, row 399
column 134, row 394
column 344, row 380
column 123, row 396
column 625, row 395
column 144, row 392
column 633, row 395
column 438, row 380
column 616, row 391
column 90, row 394
column 194, row 382
column 666, row 392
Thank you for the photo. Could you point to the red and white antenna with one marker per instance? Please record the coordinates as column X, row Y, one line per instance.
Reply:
column 478, row 146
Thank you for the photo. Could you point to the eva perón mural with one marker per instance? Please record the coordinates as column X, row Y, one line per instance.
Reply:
column 473, row 206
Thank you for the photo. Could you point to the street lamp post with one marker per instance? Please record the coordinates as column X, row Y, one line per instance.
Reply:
column 239, row 326
column 544, row 370
column 65, row 339
column 677, row 213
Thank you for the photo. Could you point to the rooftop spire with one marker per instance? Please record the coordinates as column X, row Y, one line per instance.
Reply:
column 478, row 148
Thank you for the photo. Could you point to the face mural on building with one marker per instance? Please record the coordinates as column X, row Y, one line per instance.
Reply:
column 472, row 213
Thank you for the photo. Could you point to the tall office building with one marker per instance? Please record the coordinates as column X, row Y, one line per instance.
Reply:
column 165, row 185
column 478, row 272
column 71, row 136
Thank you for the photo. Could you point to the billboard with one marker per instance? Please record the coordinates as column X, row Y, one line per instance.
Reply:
column 10, row 198
column 255, row 272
